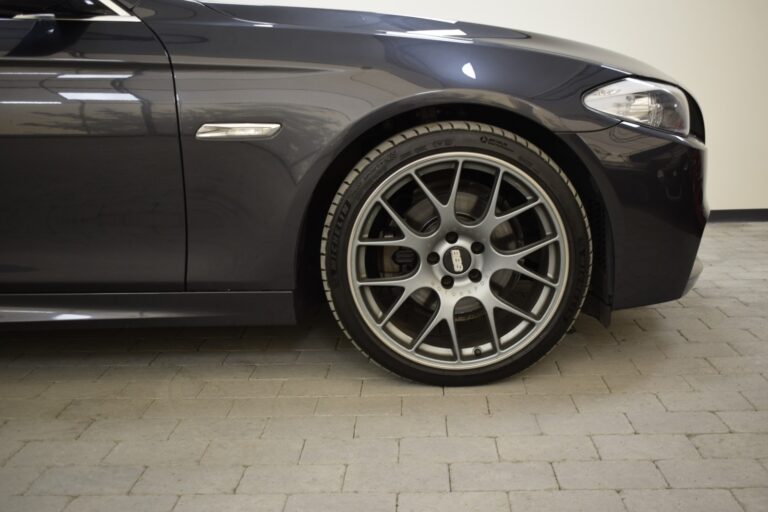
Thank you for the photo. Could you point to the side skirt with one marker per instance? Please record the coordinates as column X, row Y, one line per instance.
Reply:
column 147, row 309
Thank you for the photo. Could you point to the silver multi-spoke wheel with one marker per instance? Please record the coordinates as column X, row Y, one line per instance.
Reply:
column 457, row 260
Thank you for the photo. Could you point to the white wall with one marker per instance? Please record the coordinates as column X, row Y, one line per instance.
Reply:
column 717, row 49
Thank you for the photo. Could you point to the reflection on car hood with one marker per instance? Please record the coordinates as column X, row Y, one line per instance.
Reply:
column 426, row 28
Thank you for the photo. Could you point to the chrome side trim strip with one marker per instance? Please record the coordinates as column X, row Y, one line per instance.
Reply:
column 120, row 15
column 237, row 131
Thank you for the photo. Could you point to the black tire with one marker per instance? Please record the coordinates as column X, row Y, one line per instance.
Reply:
column 416, row 143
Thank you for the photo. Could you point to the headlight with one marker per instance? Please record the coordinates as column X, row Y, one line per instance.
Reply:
column 648, row 103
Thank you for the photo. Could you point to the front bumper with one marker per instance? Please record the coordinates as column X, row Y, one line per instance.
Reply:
column 652, row 185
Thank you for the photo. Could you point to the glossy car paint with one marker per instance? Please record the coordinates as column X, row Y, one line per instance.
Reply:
column 329, row 78
column 91, row 188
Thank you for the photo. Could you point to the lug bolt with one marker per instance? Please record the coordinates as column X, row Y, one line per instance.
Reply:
column 477, row 247
column 447, row 282
column 433, row 258
column 451, row 237
column 475, row 275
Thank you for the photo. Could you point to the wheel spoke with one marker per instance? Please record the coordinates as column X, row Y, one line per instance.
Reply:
column 536, row 246
column 536, row 277
column 490, row 313
column 410, row 237
column 447, row 211
column 401, row 281
column 496, row 302
column 394, row 308
column 517, row 211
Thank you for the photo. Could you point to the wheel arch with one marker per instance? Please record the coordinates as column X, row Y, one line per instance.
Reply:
column 307, row 262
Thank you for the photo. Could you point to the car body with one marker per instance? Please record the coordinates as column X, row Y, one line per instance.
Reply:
column 113, row 207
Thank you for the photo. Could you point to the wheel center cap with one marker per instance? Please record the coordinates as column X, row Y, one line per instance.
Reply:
column 457, row 260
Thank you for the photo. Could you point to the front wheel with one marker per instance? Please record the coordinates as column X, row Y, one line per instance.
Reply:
column 456, row 253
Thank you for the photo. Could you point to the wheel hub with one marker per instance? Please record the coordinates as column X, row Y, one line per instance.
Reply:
column 457, row 260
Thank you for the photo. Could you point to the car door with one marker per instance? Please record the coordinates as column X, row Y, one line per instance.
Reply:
column 91, row 185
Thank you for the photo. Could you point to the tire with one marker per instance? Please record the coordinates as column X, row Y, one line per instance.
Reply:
column 456, row 253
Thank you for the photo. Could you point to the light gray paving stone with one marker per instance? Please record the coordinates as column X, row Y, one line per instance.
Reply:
column 452, row 502
column 122, row 504
column 349, row 451
column 400, row 426
column 338, row 427
column 362, row 369
column 61, row 453
column 727, row 382
column 8, row 448
column 676, row 500
column 322, row 387
column 753, row 499
column 676, row 366
column 253, row 451
column 175, row 389
column 704, row 401
column 565, row 501
column 86, row 480
column 294, row 371
column 645, row 447
column 492, row 426
column 16, row 480
column 758, row 398
column 188, row 408
column 27, row 388
column 439, row 405
column 122, row 430
column 448, row 449
column 231, row 503
column 33, row 503
column 686, row 350
column 270, row 407
column 717, row 335
column 529, row 404
column 219, row 428
column 502, row 476
column 337, row 502
column 42, row 429
column 585, row 424
column 291, row 479
column 359, row 406
column 243, row 388
column 403, row 477
column 670, row 324
column 564, row 385
column 157, row 453
column 646, row 383
column 736, row 446
column 510, row 386
column 713, row 473
column 189, row 358
column 84, row 389
column 750, row 348
column 214, row 372
column 393, row 386
column 677, row 423
column 20, row 408
column 745, row 421
column 740, row 365
column 546, row 448
column 608, row 475
column 586, row 366
column 617, row 402
column 189, row 479
column 104, row 408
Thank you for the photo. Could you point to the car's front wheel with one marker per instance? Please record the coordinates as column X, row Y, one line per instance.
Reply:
column 456, row 253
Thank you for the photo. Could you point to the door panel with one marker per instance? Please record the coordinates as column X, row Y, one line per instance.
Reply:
column 91, row 186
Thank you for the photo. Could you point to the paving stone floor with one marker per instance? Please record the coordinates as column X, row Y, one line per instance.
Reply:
column 667, row 410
